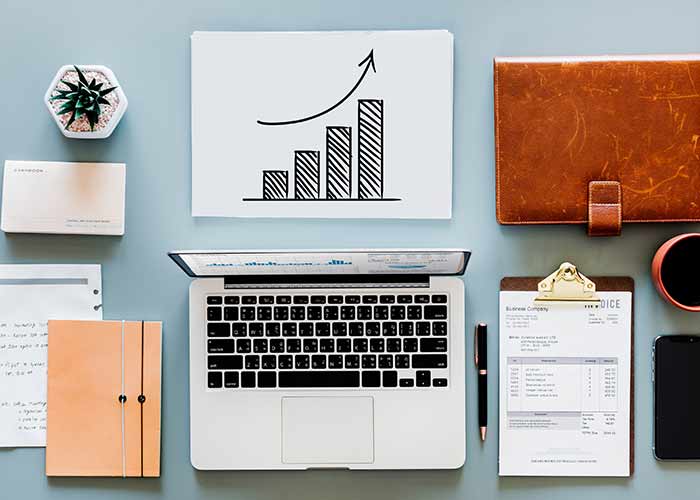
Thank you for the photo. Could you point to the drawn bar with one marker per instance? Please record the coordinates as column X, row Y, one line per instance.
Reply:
column 370, row 146
column 275, row 184
column 307, row 175
column 338, row 163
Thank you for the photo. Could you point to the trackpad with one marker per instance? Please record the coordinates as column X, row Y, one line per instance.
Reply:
column 328, row 430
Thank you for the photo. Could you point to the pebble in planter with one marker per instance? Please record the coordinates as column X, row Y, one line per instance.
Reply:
column 86, row 102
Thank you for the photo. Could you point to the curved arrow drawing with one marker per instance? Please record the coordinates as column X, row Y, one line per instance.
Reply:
column 367, row 61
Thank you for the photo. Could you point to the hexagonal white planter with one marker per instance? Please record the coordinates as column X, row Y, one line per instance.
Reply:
column 109, row 118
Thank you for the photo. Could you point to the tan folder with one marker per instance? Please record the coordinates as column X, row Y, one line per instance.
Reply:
column 104, row 398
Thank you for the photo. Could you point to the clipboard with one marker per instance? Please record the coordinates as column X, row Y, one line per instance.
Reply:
column 567, row 284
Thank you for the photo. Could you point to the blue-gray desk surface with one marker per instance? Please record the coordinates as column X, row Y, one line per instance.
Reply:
column 147, row 44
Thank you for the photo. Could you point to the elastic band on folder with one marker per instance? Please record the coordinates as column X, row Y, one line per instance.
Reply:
column 122, row 400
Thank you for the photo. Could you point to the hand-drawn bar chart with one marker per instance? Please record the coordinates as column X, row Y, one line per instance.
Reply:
column 306, row 164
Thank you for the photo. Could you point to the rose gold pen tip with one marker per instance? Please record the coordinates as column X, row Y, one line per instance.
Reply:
column 483, row 433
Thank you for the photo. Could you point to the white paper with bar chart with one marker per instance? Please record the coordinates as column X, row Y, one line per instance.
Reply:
column 322, row 124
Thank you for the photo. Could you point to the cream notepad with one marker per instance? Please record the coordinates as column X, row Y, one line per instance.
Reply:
column 63, row 198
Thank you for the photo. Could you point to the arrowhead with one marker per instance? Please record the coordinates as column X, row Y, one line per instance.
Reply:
column 369, row 61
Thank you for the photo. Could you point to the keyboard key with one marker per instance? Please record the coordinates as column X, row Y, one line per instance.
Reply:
column 393, row 345
column 389, row 378
column 255, row 329
column 239, row 329
column 327, row 345
column 310, row 345
column 423, row 378
column 406, row 382
column 289, row 330
column 410, row 345
column 402, row 361
column 267, row 380
column 318, row 361
column 369, row 361
column 232, row 300
column 352, row 361
column 284, row 299
column 260, row 345
column 404, row 299
column 370, row 299
column 249, row 299
column 247, row 313
column 264, row 313
column 439, row 328
column 385, row 361
column 314, row 313
column 389, row 329
column 218, row 330
column 293, row 345
column 357, row 329
column 220, row 345
column 439, row 382
column 252, row 362
column 285, row 362
column 323, row 329
column 376, row 345
column 297, row 313
column 213, row 314
column 248, row 379
column 318, row 299
column 414, row 312
column 352, row 299
column 372, row 329
column 387, row 299
column 343, row 345
column 371, row 379
column 214, row 380
column 435, row 312
column 269, row 362
column 217, row 362
column 231, row 380
column 398, row 312
column 335, row 361
column 429, row 361
column 381, row 312
column 301, row 362
column 439, row 299
column 364, row 312
column 433, row 345
column 335, row 299
column 306, row 329
column 301, row 299
column 421, row 299
column 214, row 301
column 243, row 346
column 277, row 346
column 319, row 379
column 330, row 313
column 230, row 314
column 422, row 328
column 281, row 313
column 347, row 313
column 266, row 299
column 340, row 329
column 272, row 329
column 359, row 345
column 405, row 329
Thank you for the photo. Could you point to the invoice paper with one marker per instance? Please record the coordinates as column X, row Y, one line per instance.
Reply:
column 564, row 386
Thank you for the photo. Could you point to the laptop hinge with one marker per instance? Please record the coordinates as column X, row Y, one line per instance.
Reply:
column 329, row 281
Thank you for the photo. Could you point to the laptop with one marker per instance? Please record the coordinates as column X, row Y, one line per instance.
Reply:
column 348, row 359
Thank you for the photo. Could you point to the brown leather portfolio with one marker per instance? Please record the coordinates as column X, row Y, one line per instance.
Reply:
column 104, row 398
column 597, row 140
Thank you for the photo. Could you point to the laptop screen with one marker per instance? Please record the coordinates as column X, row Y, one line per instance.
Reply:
column 261, row 263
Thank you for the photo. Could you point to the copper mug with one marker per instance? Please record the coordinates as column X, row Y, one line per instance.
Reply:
column 675, row 271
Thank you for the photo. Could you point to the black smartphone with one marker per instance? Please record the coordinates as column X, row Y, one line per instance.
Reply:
column 676, row 360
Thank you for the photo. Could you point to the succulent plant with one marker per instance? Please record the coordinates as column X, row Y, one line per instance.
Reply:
column 81, row 99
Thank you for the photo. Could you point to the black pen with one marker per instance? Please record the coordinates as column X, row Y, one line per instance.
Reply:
column 480, row 356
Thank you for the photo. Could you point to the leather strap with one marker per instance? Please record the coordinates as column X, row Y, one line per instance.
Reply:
column 604, row 208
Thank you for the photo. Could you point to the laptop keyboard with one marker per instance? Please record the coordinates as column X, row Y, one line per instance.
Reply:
column 395, row 341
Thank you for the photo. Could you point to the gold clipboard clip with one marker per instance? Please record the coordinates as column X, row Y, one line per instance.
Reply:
column 566, row 284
